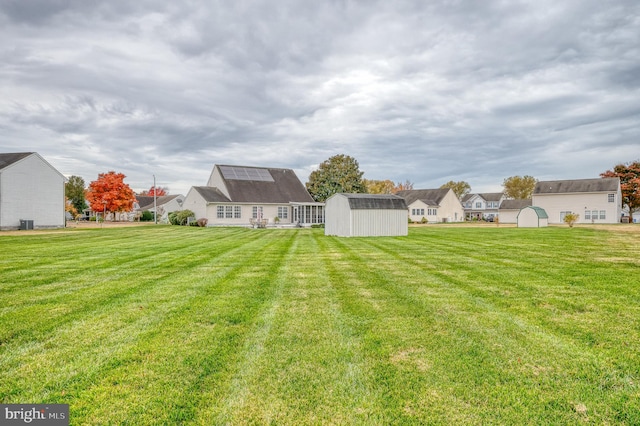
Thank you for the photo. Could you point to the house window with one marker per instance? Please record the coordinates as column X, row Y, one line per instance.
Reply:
column 478, row 205
column 283, row 212
column 563, row 214
column 587, row 215
column 594, row 214
column 612, row 198
column 603, row 214
column 256, row 212
column 228, row 212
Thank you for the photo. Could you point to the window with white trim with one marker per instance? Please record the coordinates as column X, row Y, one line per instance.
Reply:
column 612, row 198
column 283, row 212
column 587, row 215
column 220, row 212
column 603, row 214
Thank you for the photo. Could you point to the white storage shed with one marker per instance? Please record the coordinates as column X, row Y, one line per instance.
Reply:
column 366, row 215
column 532, row 217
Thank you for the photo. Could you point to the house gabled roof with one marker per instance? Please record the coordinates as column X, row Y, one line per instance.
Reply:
column 375, row 201
column 577, row 186
column 515, row 204
column 263, row 185
column 146, row 202
column 492, row 196
column 211, row 194
column 431, row 197
column 13, row 157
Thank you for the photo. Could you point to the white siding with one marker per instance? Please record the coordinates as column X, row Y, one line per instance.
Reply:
column 508, row 216
column 528, row 218
column 341, row 221
column 378, row 223
column 337, row 216
column 194, row 202
column 31, row 189
column 555, row 204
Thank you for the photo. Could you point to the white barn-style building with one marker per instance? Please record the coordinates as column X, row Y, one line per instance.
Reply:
column 31, row 192
column 532, row 217
column 365, row 215
column 595, row 200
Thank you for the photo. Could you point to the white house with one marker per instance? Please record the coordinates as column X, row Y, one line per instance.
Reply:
column 532, row 217
column 595, row 200
column 509, row 210
column 366, row 215
column 164, row 205
column 434, row 205
column 482, row 206
column 253, row 196
column 31, row 192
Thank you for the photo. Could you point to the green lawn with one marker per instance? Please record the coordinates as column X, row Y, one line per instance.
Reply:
column 450, row 325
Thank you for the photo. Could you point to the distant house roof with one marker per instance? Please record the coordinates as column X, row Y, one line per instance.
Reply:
column 375, row 201
column 577, row 185
column 146, row 202
column 263, row 185
column 10, row 158
column 492, row 196
column 431, row 197
column 211, row 194
column 487, row 196
column 514, row 204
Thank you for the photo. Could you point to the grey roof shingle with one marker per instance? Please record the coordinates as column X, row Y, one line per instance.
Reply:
column 431, row 197
column 211, row 194
column 285, row 188
column 10, row 158
column 577, row 186
column 515, row 204
column 375, row 201
column 146, row 202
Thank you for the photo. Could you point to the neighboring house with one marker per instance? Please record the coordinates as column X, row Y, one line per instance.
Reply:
column 532, row 217
column 595, row 200
column 509, row 209
column 31, row 192
column 253, row 196
column 435, row 205
column 482, row 206
column 164, row 205
column 366, row 215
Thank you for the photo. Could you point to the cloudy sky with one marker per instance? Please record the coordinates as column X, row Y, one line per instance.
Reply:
column 425, row 91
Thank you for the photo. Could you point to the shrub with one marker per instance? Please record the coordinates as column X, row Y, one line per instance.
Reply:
column 424, row 220
column 202, row 222
column 146, row 216
column 571, row 218
column 180, row 217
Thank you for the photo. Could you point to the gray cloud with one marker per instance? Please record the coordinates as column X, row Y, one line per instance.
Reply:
column 430, row 92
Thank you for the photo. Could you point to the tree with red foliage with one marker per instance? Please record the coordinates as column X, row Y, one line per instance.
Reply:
column 629, row 175
column 109, row 193
column 157, row 191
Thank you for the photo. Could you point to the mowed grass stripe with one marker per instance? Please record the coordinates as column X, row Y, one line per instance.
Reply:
column 474, row 319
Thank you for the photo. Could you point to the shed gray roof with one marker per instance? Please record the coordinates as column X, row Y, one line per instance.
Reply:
column 577, row 185
column 285, row 187
column 375, row 201
column 514, row 204
column 12, row 157
column 211, row 194
column 431, row 197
